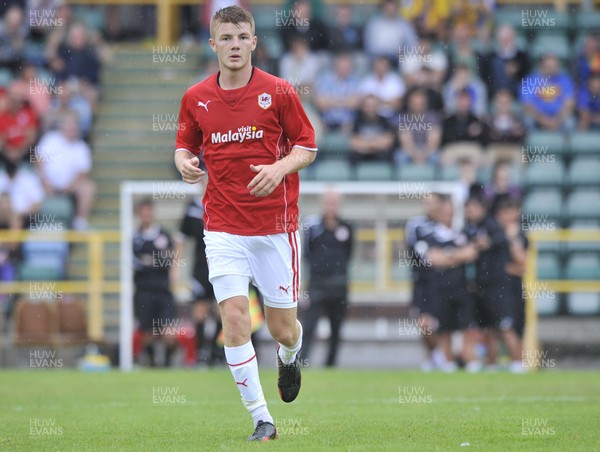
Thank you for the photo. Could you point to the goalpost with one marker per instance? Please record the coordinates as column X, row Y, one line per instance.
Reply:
column 380, row 202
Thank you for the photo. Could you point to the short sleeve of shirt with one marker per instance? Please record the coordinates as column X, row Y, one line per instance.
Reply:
column 296, row 126
column 84, row 158
column 189, row 136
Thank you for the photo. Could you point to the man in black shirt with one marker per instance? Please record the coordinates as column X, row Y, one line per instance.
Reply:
column 192, row 226
column 154, row 306
column 328, row 248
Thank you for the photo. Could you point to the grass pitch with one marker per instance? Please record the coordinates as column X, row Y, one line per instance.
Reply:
column 336, row 410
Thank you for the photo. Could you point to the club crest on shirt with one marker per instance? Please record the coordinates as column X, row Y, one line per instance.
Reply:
column 264, row 100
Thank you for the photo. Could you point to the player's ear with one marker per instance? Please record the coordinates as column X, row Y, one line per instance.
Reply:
column 211, row 41
column 254, row 42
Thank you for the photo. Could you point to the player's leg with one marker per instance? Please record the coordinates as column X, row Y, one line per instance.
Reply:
column 230, row 277
column 275, row 263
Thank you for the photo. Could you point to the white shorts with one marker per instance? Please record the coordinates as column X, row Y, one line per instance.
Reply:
column 270, row 262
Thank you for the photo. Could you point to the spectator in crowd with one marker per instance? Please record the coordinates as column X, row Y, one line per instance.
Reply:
column 506, row 65
column 548, row 97
column 501, row 185
column 300, row 66
column 328, row 249
column 78, row 60
column 427, row 80
column 462, row 79
column 345, row 36
column 41, row 15
column 153, row 301
column 372, row 134
column 474, row 15
column 588, row 105
column 507, row 129
column 461, row 51
column 429, row 17
column 203, row 296
column 65, row 163
column 39, row 89
column 420, row 132
column 425, row 60
column 13, row 32
column 467, row 179
column 386, row 85
column 260, row 59
column 506, row 126
column 587, row 62
column 336, row 94
column 387, row 33
column 464, row 131
column 18, row 122
column 69, row 99
column 23, row 191
column 301, row 23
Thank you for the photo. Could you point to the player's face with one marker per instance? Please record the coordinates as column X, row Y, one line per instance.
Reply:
column 233, row 44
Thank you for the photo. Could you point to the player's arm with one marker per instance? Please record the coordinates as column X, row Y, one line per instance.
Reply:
column 270, row 176
column 187, row 164
column 450, row 257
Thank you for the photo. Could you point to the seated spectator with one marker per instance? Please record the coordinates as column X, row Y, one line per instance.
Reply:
column 463, row 79
column 39, row 89
column 425, row 58
column 65, row 162
column 13, row 32
column 372, row 135
column 345, row 36
column 387, row 32
column 78, row 59
column 23, row 191
column 301, row 23
column 68, row 98
column 507, row 129
column 386, row 85
column 587, row 62
column 336, row 94
column 474, row 15
column 548, row 97
column 501, row 185
column 300, row 66
column 461, row 51
column 427, row 81
column 18, row 121
column 463, row 133
column 506, row 65
column 420, row 132
column 588, row 105
column 428, row 17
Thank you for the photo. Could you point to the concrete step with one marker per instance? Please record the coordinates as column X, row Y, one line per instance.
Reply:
column 174, row 76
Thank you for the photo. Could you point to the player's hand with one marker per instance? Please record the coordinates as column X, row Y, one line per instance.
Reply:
column 190, row 172
column 267, row 179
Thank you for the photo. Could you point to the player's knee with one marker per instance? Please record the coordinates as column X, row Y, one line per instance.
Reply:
column 283, row 335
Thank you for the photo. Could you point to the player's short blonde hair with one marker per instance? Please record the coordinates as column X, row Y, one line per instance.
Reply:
column 232, row 15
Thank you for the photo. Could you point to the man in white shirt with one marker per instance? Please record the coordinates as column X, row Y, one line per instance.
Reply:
column 65, row 162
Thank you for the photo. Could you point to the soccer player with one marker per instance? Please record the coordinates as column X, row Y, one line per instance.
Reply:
column 254, row 137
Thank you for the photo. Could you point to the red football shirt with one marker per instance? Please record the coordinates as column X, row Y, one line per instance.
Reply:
column 256, row 124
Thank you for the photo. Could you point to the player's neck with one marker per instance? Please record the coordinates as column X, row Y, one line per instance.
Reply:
column 229, row 79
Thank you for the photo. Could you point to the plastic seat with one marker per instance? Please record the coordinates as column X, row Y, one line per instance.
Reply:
column 583, row 246
column 583, row 204
column 334, row 143
column 57, row 210
column 583, row 303
column 374, row 171
column 544, row 174
column 333, row 170
column 555, row 44
column 584, row 171
column 585, row 143
column 542, row 146
column 583, row 266
column 587, row 20
column 416, row 172
column 543, row 204
column 449, row 173
column 548, row 266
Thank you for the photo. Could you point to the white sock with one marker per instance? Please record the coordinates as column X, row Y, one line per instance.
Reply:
column 288, row 354
column 244, row 368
